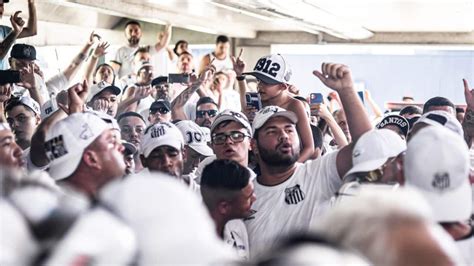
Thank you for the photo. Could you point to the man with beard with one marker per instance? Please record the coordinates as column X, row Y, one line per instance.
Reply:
column 123, row 59
column 291, row 196
column 206, row 112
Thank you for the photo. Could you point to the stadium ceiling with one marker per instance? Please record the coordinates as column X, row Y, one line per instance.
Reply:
column 343, row 19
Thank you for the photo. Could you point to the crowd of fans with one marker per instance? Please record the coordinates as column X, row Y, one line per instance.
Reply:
column 140, row 164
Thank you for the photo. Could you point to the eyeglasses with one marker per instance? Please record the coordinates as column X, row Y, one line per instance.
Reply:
column 202, row 113
column 235, row 136
column 161, row 110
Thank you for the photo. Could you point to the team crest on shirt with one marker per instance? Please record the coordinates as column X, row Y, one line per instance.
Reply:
column 294, row 195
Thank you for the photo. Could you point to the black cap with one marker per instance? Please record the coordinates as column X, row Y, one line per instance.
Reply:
column 396, row 120
column 204, row 100
column 158, row 80
column 160, row 103
column 23, row 51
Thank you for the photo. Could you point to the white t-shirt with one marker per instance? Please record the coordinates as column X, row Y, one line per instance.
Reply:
column 124, row 56
column 466, row 248
column 221, row 64
column 235, row 235
column 161, row 63
column 87, row 240
column 292, row 205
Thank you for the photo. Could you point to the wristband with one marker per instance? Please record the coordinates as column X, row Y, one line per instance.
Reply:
column 240, row 78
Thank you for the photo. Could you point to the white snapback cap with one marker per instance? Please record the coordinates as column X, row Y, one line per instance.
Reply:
column 271, row 69
column 161, row 134
column 271, row 111
column 194, row 137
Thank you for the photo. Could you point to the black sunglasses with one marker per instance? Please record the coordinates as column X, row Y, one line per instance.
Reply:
column 161, row 110
column 202, row 113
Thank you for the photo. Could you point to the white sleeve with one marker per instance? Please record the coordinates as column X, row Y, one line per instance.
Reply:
column 57, row 83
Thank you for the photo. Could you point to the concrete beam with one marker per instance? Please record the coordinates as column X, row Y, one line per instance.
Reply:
column 142, row 11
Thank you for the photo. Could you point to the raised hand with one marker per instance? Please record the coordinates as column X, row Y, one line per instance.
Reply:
column 77, row 95
column 468, row 95
column 239, row 64
column 27, row 77
column 5, row 93
column 137, row 93
column 17, row 22
column 37, row 70
column 101, row 49
column 93, row 37
column 101, row 105
column 335, row 76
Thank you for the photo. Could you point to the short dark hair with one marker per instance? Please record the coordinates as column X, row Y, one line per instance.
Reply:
column 437, row 101
column 204, row 100
column 221, row 180
column 128, row 114
column 175, row 49
column 142, row 49
column 133, row 22
column 185, row 53
column 410, row 110
column 222, row 38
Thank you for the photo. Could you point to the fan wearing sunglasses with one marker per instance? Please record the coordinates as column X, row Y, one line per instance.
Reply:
column 160, row 111
column 206, row 112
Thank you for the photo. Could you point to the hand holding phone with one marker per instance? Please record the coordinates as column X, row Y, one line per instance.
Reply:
column 315, row 98
column 253, row 100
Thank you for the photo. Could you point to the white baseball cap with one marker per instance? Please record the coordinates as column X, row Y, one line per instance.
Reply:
column 100, row 87
column 67, row 140
column 437, row 164
column 194, row 137
column 443, row 118
column 271, row 69
column 230, row 115
column 161, row 134
column 268, row 112
column 141, row 65
column 26, row 101
column 374, row 148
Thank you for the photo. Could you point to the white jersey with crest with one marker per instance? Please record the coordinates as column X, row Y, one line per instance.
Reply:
column 293, row 205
